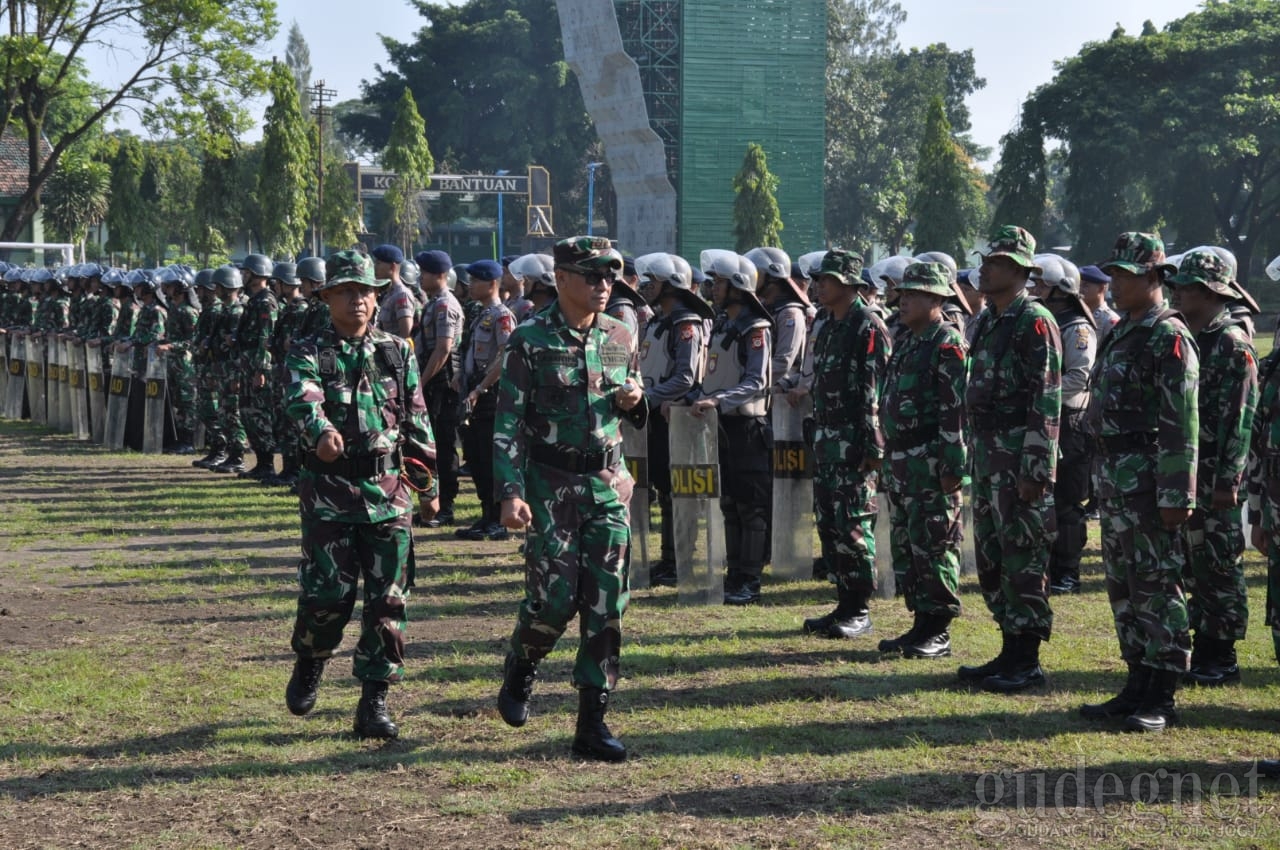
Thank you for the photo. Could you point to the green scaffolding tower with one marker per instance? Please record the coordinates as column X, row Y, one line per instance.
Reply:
column 718, row 75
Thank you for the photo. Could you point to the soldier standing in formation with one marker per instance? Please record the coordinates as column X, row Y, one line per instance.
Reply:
column 849, row 359
column 1217, row 597
column 355, row 399
column 178, row 347
column 230, row 284
column 736, row 383
column 924, row 422
column 568, row 379
column 1144, row 411
column 1014, row 400
column 287, row 330
column 254, row 379
column 208, row 382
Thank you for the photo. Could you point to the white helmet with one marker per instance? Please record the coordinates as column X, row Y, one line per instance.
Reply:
column 534, row 268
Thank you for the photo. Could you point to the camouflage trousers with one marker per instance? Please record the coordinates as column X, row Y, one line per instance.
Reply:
column 182, row 391
column 925, row 533
column 258, row 412
column 577, row 558
column 335, row 555
column 285, row 435
column 229, row 423
column 1271, row 535
column 1217, row 598
column 1011, row 541
column 208, row 413
column 844, row 506
column 1144, row 565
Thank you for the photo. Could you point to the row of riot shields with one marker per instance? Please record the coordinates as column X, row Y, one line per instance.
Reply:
column 67, row 386
column 699, row 525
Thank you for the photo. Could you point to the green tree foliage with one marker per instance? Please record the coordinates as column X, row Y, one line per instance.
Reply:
column 297, row 55
column 191, row 54
column 341, row 214
column 1175, row 130
column 493, row 86
column 128, row 215
column 949, row 203
column 409, row 156
column 286, row 171
column 756, row 220
column 77, row 197
column 1021, row 180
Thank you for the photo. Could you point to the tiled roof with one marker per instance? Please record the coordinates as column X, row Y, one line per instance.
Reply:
column 13, row 161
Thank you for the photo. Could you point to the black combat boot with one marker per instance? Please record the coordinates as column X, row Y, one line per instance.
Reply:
column 233, row 463
column 742, row 590
column 372, row 719
column 1021, row 668
column 1124, row 703
column 182, row 444
column 931, row 640
column 1269, row 768
column 517, row 688
column 264, row 468
column 288, row 472
column 663, row 574
column 300, row 695
column 1216, row 665
column 850, row 619
column 1155, row 712
column 978, row 672
column 896, row 644
column 593, row 740
column 217, row 454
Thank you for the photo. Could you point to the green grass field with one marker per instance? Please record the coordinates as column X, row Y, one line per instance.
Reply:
column 145, row 613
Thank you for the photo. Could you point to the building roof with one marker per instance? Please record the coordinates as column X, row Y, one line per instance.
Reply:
column 13, row 161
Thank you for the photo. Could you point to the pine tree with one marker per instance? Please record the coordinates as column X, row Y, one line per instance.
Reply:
column 949, row 202
column 285, row 174
column 756, row 220
column 297, row 55
column 408, row 155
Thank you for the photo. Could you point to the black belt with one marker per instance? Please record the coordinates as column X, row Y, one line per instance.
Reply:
column 906, row 440
column 1135, row 441
column 571, row 460
column 351, row 467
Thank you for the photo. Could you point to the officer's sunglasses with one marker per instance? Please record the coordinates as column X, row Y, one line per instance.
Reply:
column 594, row 277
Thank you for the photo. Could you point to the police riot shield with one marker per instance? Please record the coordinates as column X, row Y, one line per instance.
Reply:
column 97, row 384
column 16, row 390
column 793, row 523
column 635, row 448
column 697, row 522
column 886, row 579
column 4, row 372
column 118, row 401
column 63, row 373
column 968, row 541
column 52, row 389
column 77, row 384
column 156, row 401
column 36, row 379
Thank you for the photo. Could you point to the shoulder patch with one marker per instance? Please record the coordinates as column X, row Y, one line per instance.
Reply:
column 686, row 331
column 1082, row 338
column 506, row 323
column 757, row 338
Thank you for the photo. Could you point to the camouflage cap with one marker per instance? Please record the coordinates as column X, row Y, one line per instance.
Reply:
column 586, row 254
column 933, row 278
column 844, row 266
column 1013, row 242
column 349, row 267
column 1135, row 252
column 1205, row 267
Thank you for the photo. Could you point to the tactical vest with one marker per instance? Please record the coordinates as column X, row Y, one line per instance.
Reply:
column 658, row 351
column 727, row 359
column 1125, row 407
column 998, row 402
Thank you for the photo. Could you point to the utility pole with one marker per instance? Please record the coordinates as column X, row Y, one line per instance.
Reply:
column 319, row 96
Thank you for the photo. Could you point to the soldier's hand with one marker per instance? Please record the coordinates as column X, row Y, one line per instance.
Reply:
column 795, row 395
column 516, row 514
column 700, row 407
column 951, row 483
column 163, row 348
column 428, row 508
column 1171, row 518
column 259, row 380
column 329, row 447
column 665, row 410
column 628, row 395
column 1258, row 539
column 1031, row 491
column 1225, row 499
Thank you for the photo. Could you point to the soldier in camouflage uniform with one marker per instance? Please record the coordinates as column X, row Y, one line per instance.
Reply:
column 293, row 311
column 850, row 355
column 355, row 398
column 568, row 379
column 927, row 457
column 149, row 329
column 256, row 378
column 1217, row 598
column 1014, row 399
column 230, row 284
column 179, row 344
column 1144, row 412
column 208, row 385
column 311, row 273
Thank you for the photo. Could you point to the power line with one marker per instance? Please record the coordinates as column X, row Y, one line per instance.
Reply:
column 319, row 97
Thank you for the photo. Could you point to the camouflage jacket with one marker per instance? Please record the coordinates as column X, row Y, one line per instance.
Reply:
column 923, row 412
column 85, row 312
column 849, row 360
column 148, row 329
column 556, row 403
column 105, row 315
column 126, row 315
column 1264, row 445
column 57, row 314
column 206, row 342
column 1144, row 409
column 224, row 346
column 1014, row 395
column 316, row 319
column 350, row 386
column 253, row 333
column 1228, row 398
column 181, row 334
column 288, row 325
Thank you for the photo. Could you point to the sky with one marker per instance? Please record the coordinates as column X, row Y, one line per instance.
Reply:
column 1014, row 43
